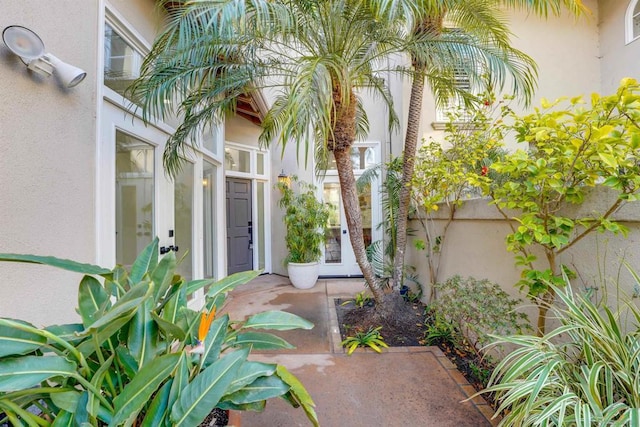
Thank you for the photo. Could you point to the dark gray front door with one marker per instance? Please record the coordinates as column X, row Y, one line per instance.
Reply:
column 239, row 229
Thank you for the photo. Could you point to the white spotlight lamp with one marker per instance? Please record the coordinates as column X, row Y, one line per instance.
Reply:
column 30, row 48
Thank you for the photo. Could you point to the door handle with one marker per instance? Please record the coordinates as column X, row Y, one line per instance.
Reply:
column 167, row 249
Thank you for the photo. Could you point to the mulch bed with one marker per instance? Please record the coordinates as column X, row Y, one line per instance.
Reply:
column 410, row 330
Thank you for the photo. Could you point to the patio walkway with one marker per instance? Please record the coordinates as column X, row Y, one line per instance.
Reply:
column 408, row 386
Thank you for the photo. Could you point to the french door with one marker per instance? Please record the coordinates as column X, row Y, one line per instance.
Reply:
column 137, row 201
column 338, row 257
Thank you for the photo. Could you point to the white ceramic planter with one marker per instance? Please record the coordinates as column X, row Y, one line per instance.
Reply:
column 303, row 275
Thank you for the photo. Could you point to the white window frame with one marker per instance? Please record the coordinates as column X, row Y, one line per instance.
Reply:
column 628, row 22
column 455, row 105
column 132, row 37
column 375, row 145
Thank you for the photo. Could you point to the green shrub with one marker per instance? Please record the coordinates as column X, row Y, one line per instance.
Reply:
column 470, row 310
column 305, row 219
column 360, row 300
column 371, row 339
column 140, row 355
column 584, row 373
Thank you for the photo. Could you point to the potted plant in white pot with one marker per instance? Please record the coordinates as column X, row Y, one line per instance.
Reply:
column 305, row 220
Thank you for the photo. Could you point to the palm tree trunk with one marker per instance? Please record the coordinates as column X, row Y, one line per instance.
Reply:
column 353, row 214
column 340, row 143
column 408, row 161
column 431, row 24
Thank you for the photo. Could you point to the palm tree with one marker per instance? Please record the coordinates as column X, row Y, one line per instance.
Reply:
column 318, row 54
column 470, row 24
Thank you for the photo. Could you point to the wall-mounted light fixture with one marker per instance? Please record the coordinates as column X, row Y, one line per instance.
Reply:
column 284, row 178
column 30, row 48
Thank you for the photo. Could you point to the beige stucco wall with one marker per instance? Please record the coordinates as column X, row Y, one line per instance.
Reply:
column 291, row 163
column 47, row 165
column 143, row 15
column 241, row 131
column 565, row 49
column 475, row 246
column 618, row 58
column 48, row 145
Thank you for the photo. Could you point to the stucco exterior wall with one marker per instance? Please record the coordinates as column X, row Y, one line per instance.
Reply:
column 618, row 58
column 475, row 246
column 47, row 165
column 146, row 16
column 241, row 131
column 291, row 163
column 565, row 49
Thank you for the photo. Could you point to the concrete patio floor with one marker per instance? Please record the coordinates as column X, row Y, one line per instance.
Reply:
column 404, row 386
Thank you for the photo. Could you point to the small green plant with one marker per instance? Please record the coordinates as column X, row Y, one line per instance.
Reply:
column 441, row 331
column 140, row 355
column 371, row 338
column 305, row 219
column 584, row 373
column 482, row 371
column 473, row 309
column 359, row 300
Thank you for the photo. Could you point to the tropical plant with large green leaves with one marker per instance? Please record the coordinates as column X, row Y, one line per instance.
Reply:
column 140, row 355
column 471, row 39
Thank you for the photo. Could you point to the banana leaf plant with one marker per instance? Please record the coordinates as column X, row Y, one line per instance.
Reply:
column 140, row 355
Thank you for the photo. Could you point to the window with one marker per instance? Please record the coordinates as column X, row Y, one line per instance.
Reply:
column 362, row 158
column 237, row 160
column 456, row 104
column 209, row 250
column 135, row 177
column 464, row 72
column 632, row 21
column 121, row 61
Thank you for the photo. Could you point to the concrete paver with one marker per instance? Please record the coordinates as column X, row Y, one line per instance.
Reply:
column 413, row 386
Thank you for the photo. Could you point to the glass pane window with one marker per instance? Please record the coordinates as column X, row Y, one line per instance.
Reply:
column 134, row 197
column 209, row 219
column 455, row 105
column 262, row 242
column 333, row 244
column 364, row 197
column 183, row 217
column 361, row 157
column 237, row 160
column 260, row 158
column 121, row 61
column 462, row 81
column 210, row 141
